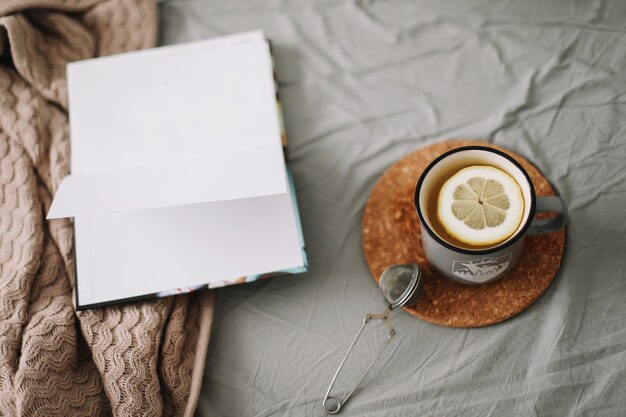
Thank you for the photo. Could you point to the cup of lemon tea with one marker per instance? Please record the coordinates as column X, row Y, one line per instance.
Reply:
column 476, row 205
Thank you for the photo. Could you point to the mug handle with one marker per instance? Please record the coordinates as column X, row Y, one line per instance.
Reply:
column 548, row 204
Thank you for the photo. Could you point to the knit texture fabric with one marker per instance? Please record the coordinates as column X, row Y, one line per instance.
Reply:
column 142, row 359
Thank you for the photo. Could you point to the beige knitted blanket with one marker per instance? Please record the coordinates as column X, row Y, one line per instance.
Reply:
column 137, row 359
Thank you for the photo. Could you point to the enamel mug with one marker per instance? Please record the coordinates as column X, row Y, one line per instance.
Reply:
column 479, row 266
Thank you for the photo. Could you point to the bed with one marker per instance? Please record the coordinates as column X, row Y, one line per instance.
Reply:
column 364, row 83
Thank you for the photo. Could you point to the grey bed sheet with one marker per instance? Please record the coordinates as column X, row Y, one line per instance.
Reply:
column 364, row 83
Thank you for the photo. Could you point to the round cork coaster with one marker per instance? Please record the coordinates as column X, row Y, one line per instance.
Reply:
column 391, row 235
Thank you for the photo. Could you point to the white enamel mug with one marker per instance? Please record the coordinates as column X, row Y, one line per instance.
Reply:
column 479, row 266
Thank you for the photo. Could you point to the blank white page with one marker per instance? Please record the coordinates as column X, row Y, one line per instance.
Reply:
column 167, row 104
column 135, row 253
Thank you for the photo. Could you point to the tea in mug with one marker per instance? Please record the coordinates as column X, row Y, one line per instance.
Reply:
column 474, row 206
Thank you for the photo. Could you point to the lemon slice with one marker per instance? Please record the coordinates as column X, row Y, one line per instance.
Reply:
column 480, row 205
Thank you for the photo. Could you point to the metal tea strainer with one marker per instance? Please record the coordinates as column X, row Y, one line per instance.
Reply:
column 402, row 286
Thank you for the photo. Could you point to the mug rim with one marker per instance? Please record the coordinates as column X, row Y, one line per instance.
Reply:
column 521, row 232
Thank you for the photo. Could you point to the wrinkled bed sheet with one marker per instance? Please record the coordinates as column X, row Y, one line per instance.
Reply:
column 364, row 83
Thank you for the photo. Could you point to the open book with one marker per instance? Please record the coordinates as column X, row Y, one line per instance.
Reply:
column 178, row 176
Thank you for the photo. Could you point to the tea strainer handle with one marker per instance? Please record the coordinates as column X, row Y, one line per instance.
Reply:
column 333, row 405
